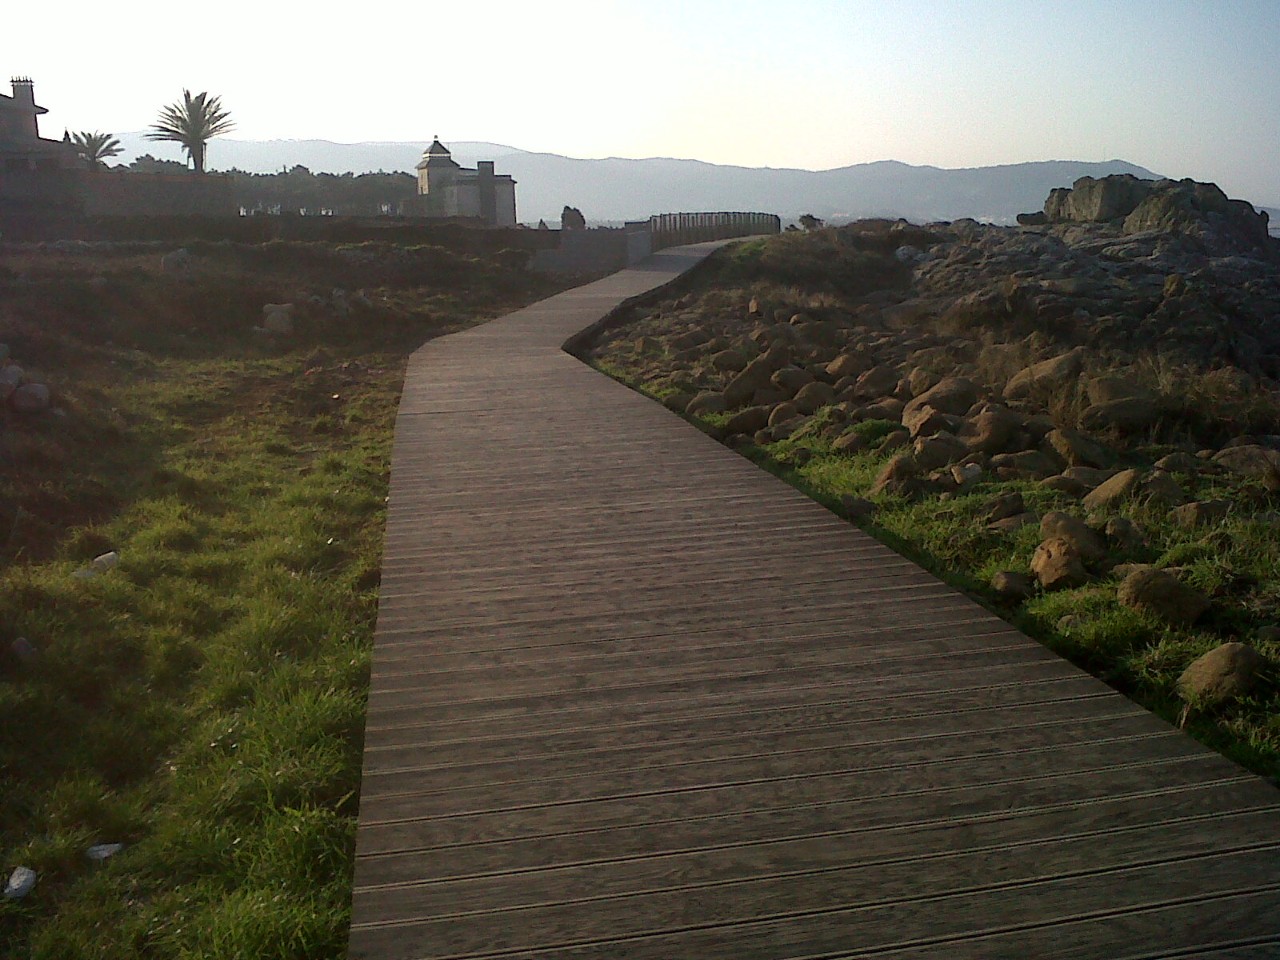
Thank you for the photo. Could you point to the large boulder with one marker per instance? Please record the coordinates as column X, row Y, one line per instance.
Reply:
column 1162, row 595
column 1224, row 673
column 1093, row 200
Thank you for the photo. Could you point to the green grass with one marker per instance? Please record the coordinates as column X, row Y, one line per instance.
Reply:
column 203, row 702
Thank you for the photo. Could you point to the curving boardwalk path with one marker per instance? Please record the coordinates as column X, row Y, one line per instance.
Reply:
column 635, row 699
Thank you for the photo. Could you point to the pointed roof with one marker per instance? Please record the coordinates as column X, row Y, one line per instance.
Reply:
column 436, row 155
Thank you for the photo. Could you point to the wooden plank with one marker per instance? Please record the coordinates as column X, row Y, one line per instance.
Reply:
column 633, row 697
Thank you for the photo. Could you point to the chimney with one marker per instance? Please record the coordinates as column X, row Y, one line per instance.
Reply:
column 23, row 91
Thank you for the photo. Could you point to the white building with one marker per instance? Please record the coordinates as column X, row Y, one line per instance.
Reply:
column 446, row 189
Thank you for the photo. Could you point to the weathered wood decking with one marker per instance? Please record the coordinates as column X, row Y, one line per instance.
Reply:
column 634, row 698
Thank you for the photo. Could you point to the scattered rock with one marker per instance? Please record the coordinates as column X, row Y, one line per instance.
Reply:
column 1162, row 595
column 21, row 882
column 707, row 402
column 1011, row 586
column 1064, row 484
column 1112, row 387
column 1179, row 463
column 1014, row 523
column 926, row 421
column 814, row 397
column 952, row 395
column 1127, row 415
column 1087, row 541
column 991, row 430
column 1005, row 505
column 1057, row 565
column 1268, row 634
column 176, row 261
column 749, row 420
column 964, row 473
column 1252, row 460
column 877, row 382
column 847, row 365
column 30, row 398
column 1124, row 534
column 894, row 440
column 1045, row 376
column 899, row 477
column 857, row 508
column 277, row 318
column 1121, row 486
column 1161, row 487
column 1077, row 449
column 849, row 442
column 103, row 851
column 1224, row 673
column 1201, row 513
column 938, row 450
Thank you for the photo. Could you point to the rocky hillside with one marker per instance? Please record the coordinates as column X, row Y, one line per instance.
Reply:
column 1077, row 419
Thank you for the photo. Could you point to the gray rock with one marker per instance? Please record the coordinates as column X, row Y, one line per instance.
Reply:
column 1268, row 634
column 1224, row 673
column 30, row 398
column 1065, row 484
column 1162, row 595
column 21, row 882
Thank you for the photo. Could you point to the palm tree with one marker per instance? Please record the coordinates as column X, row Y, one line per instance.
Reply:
column 96, row 147
column 192, row 123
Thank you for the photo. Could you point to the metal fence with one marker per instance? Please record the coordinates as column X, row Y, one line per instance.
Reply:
column 674, row 229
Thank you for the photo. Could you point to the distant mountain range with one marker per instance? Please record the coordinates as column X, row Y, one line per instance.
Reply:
column 614, row 189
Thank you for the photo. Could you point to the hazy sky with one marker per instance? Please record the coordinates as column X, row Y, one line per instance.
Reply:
column 1182, row 87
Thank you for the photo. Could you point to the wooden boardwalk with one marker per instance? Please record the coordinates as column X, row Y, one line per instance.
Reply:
column 635, row 699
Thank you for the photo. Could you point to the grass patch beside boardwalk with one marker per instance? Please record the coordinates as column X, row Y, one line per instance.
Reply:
column 201, row 703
